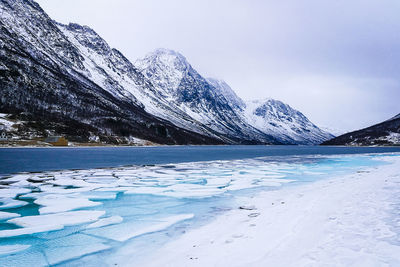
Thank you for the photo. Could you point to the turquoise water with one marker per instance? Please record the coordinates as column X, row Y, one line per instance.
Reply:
column 147, row 205
column 13, row 160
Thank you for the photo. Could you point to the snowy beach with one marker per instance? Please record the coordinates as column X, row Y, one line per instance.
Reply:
column 347, row 221
column 298, row 210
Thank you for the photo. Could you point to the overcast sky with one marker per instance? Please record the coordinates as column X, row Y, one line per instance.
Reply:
column 338, row 61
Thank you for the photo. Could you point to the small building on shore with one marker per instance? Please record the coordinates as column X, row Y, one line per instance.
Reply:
column 3, row 133
column 56, row 141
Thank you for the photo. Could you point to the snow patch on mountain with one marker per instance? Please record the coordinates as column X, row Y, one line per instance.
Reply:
column 392, row 138
column 166, row 69
column 223, row 89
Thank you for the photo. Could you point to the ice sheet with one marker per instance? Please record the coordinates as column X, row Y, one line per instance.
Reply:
column 134, row 230
column 30, row 230
column 72, row 246
column 106, row 221
column 12, row 249
column 63, row 218
column 61, row 203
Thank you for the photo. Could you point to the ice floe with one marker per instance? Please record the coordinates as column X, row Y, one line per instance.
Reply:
column 63, row 218
column 10, row 203
column 106, row 221
column 30, row 230
column 71, row 247
column 61, row 203
column 13, row 192
column 133, row 230
column 8, row 215
column 10, row 249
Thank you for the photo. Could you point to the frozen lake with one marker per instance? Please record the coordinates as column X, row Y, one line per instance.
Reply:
column 115, row 214
column 14, row 160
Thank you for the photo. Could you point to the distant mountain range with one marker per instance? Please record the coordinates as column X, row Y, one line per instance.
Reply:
column 66, row 80
column 385, row 133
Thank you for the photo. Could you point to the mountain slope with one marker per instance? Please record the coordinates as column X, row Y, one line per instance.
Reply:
column 279, row 119
column 108, row 68
column 43, row 78
column 224, row 90
column 395, row 117
column 186, row 90
column 274, row 118
column 385, row 133
column 66, row 79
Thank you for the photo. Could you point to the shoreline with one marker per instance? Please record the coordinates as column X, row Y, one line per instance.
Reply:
column 161, row 145
column 336, row 222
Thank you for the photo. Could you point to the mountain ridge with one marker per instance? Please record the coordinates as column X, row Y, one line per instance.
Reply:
column 386, row 133
column 67, row 74
column 43, row 82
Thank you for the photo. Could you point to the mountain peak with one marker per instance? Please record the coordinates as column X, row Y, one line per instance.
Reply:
column 261, row 101
column 274, row 116
column 266, row 107
column 166, row 68
column 166, row 51
column 162, row 53
column 164, row 58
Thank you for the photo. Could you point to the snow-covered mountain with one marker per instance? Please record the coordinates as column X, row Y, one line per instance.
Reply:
column 186, row 90
column 274, row 117
column 71, row 81
column 384, row 133
column 108, row 68
column 214, row 103
column 279, row 119
column 48, row 79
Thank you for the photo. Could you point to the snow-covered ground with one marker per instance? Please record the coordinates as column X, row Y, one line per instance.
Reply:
column 348, row 221
column 333, row 210
column 5, row 123
column 391, row 138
